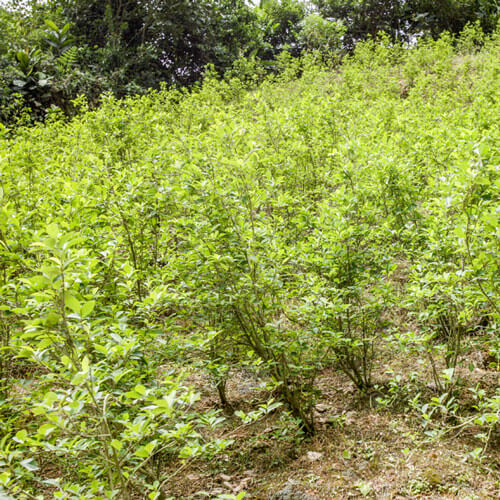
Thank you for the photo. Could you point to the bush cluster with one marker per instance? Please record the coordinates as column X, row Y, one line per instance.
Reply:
column 242, row 226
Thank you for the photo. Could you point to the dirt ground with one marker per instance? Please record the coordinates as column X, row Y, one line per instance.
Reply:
column 363, row 448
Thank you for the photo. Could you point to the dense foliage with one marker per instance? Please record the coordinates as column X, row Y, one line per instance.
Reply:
column 246, row 227
column 51, row 51
column 406, row 19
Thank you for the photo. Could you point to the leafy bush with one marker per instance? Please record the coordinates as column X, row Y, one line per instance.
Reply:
column 275, row 228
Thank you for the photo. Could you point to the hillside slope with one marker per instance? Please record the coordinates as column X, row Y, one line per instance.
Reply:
column 211, row 293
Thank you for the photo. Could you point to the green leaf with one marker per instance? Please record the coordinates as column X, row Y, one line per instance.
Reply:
column 46, row 429
column 53, row 230
column 78, row 378
column 51, row 24
column 140, row 389
column 100, row 348
column 21, row 436
column 364, row 488
column 66, row 361
column 50, row 398
column 448, row 373
column 87, row 308
column 117, row 445
column 29, row 464
column 85, row 365
column 72, row 302
column 146, row 450
column 52, row 319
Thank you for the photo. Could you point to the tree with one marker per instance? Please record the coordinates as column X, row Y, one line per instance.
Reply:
column 405, row 19
column 143, row 43
column 280, row 24
column 322, row 34
column 366, row 18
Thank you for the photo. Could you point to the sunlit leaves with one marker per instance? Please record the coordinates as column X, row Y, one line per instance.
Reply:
column 310, row 223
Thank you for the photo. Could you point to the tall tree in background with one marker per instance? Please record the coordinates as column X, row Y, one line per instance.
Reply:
column 141, row 43
column 366, row 18
column 434, row 17
column 280, row 22
column 404, row 19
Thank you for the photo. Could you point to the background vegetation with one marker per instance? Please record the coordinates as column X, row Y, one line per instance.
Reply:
column 52, row 52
